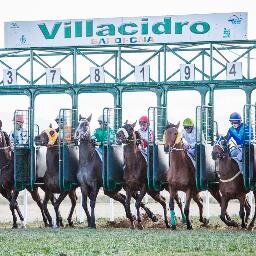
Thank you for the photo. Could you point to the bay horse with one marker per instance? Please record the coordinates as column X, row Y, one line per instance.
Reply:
column 135, row 172
column 49, row 138
column 231, row 183
column 7, row 180
column 90, row 174
column 181, row 176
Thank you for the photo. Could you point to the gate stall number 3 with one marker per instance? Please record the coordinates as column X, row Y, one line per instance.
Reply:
column 9, row 76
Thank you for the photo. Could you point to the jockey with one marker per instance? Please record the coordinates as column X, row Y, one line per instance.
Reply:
column 188, row 135
column 103, row 133
column 145, row 132
column 20, row 134
column 236, row 135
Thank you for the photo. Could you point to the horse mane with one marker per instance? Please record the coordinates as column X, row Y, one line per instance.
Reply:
column 169, row 125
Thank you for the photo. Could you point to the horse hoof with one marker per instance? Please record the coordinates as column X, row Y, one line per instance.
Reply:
column 167, row 225
column 133, row 217
column 154, row 218
column 71, row 223
column 250, row 227
column 205, row 222
column 14, row 226
column 140, row 227
column 189, row 227
column 173, row 227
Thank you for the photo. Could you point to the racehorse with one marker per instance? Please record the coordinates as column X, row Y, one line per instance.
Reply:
column 181, row 176
column 7, row 180
column 49, row 138
column 90, row 173
column 135, row 172
column 231, row 182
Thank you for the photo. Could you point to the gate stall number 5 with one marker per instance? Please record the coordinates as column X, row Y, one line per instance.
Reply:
column 9, row 77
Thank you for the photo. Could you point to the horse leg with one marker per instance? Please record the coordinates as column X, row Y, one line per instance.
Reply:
column 84, row 191
column 224, row 205
column 215, row 192
column 186, row 208
column 179, row 203
column 171, row 207
column 254, row 216
column 93, row 196
column 138, row 203
column 47, row 196
column 150, row 214
column 73, row 199
column 8, row 195
column 241, row 211
column 160, row 199
column 13, row 206
column 35, row 195
column 247, row 207
column 199, row 202
column 56, row 208
column 128, row 207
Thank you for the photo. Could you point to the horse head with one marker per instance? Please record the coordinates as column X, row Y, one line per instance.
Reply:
column 126, row 133
column 48, row 137
column 5, row 144
column 220, row 148
column 171, row 136
column 82, row 131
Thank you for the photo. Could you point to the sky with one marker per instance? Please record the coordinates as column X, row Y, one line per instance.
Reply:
column 180, row 104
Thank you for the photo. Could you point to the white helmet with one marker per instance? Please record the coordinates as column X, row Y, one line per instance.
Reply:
column 100, row 118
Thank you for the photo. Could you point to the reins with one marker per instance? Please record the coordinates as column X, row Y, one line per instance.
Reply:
column 231, row 179
column 221, row 156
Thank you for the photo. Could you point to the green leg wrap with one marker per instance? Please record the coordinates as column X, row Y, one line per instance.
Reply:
column 172, row 218
column 184, row 220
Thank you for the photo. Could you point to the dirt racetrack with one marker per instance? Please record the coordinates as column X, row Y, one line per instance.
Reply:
column 103, row 209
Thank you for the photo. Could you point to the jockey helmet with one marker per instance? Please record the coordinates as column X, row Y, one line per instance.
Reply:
column 19, row 118
column 235, row 117
column 100, row 119
column 188, row 122
column 143, row 119
column 57, row 119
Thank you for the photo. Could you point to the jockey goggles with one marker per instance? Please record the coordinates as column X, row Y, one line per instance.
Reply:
column 188, row 127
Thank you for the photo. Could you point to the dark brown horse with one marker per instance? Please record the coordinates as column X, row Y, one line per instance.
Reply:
column 7, row 180
column 231, row 182
column 135, row 172
column 90, row 174
column 181, row 176
column 49, row 138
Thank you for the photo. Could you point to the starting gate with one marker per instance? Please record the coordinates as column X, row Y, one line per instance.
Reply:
column 68, row 150
column 23, row 149
column 112, row 168
column 200, row 66
column 158, row 160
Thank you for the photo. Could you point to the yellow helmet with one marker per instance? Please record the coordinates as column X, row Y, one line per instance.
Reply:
column 188, row 122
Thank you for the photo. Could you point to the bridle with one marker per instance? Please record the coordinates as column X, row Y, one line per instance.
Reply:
column 177, row 141
column 128, row 138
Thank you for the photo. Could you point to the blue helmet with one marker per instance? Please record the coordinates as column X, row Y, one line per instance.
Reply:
column 235, row 117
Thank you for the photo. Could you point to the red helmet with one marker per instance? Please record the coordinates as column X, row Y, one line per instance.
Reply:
column 143, row 119
column 19, row 118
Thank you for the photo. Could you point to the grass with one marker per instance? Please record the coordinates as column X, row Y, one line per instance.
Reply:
column 107, row 240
